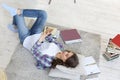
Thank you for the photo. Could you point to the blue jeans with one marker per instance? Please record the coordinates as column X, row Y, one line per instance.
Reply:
column 37, row 27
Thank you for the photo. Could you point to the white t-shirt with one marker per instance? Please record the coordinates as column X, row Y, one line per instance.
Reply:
column 50, row 49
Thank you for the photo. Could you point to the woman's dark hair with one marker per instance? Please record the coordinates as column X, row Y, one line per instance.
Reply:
column 70, row 62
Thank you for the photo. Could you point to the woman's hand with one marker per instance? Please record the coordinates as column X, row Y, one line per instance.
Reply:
column 45, row 34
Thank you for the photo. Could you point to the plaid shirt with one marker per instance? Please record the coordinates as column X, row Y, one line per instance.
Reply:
column 44, row 60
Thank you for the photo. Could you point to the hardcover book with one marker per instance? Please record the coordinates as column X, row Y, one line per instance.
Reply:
column 70, row 36
column 110, row 55
column 111, row 51
column 108, row 58
column 116, row 40
column 111, row 48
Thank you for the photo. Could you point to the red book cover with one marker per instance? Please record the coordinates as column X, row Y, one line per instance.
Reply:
column 116, row 40
column 70, row 36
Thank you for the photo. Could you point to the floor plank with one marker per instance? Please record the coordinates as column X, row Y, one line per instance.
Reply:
column 96, row 16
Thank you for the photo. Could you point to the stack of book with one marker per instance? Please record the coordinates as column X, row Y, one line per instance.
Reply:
column 113, row 48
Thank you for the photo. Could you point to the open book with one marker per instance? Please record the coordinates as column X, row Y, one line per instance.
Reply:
column 54, row 31
column 90, row 66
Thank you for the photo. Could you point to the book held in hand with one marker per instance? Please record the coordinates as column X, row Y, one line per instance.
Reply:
column 54, row 31
column 70, row 36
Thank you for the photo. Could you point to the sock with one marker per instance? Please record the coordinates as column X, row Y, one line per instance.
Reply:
column 11, row 10
column 12, row 28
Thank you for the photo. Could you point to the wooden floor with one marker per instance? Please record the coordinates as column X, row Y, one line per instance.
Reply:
column 96, row 16
column 110, row 70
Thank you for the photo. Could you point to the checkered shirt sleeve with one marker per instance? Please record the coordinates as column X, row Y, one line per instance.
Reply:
column 43, row 60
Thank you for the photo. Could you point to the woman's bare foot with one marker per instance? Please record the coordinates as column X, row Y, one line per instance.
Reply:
column 12, row 28
column 10, row 9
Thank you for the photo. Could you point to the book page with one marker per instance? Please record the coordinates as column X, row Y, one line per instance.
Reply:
column 88, row 61
column 92, row 69
column 93, row 79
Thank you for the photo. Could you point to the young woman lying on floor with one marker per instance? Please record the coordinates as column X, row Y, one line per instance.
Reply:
column 46, row 50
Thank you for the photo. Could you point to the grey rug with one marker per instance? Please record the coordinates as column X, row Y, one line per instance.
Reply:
column 22, row 65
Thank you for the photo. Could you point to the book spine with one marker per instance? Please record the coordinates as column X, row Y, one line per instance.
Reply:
column 111, row 51
column 111, row 54
column 107, row 55
column 108, row 58
column 73, row 41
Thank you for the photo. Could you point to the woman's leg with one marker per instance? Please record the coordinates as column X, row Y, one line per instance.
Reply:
column 41, row 16
column 23, row 31
column 19, row 21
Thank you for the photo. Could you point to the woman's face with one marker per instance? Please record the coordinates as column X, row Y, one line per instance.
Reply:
column 65, row 55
